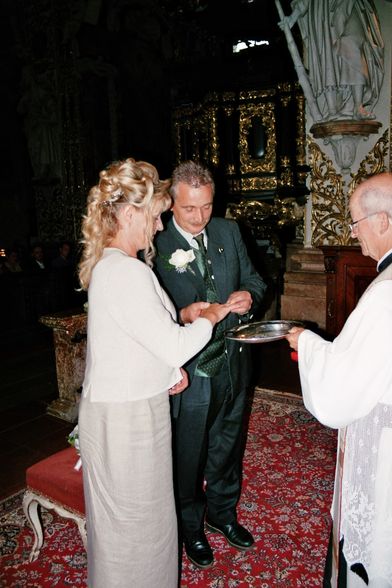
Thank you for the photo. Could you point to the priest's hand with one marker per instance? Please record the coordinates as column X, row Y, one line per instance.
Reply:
column 293, row 336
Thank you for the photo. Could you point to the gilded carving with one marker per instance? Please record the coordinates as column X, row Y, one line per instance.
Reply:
column 228, row 97
column 256, row 184
column 374, row 163
column 330, row 214
column 286, row 176
column 228, row 103
column 69, row 332
column 329, row 208
column 285, row 100
column 301, row 137
column 239, row 130
column 286, row 86
column 266, row 218
column 213, row 135
column 256, row 94
column 228, row 109
column 266, row 112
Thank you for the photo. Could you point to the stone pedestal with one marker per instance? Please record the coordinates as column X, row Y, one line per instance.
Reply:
column 305, row 286
column 69, row 333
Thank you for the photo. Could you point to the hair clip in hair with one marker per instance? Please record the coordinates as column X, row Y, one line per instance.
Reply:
column 115, row 196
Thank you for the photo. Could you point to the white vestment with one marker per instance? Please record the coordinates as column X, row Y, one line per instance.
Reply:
column 347, row 384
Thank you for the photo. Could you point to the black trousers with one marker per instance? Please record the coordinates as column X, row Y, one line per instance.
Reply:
column 342, row 574
column 208, row 447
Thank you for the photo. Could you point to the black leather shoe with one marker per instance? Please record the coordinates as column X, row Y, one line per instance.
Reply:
column 234, row 533
column 199, row 551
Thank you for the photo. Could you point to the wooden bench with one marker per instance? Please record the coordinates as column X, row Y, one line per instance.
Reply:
column 54, row 484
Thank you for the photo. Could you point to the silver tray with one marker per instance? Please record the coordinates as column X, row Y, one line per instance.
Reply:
column 262, row 331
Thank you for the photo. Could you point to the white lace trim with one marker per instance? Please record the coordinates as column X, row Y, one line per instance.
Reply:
column 366, row 519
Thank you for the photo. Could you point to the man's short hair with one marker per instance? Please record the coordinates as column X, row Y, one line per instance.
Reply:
column 193, row 174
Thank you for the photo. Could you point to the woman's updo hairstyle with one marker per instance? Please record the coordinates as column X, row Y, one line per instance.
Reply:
column 122, row 182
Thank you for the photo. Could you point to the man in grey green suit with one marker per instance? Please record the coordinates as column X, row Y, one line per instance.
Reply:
column 210, row 264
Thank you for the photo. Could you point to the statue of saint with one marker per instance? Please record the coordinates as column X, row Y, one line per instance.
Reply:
column 41, row 122
column 344, row 53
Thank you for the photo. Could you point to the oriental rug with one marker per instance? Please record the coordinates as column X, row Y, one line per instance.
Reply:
column 287, row 490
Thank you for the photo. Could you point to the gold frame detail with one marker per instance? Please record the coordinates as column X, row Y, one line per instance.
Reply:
column 266, row 111
column 330, row 214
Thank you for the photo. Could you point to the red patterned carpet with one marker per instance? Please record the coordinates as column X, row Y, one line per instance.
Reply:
column 287, row 491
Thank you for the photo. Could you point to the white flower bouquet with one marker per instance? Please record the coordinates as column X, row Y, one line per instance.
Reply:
column 73, row 439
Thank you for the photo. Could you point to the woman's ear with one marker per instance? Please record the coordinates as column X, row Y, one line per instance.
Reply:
column 124, row 216
column 127, row 212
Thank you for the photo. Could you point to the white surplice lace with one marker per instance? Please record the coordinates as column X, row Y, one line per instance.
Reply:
column 366, row 522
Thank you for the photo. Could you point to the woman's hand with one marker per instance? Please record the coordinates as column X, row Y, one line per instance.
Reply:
column 190, row 313
column 292, row 337
column 181, row 385
column 216, row 312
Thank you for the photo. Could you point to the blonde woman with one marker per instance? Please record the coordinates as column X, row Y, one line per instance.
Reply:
column 135, row 351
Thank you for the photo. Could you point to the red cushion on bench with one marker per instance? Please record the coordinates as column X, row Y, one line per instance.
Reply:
column 56, row 478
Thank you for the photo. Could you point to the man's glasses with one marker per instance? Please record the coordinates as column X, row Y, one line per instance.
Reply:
column 353, row 226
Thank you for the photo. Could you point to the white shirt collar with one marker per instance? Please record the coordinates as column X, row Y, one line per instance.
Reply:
column 188, row 236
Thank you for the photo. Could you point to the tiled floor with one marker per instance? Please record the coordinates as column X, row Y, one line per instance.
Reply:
column 28, row 385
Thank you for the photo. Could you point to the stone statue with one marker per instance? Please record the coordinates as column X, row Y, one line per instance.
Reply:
column 343, row 55
column 38, row 107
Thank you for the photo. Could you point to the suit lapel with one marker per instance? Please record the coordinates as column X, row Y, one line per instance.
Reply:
column 216, row 254
column 194, row 276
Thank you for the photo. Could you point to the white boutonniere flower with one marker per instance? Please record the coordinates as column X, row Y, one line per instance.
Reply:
column 181, row 259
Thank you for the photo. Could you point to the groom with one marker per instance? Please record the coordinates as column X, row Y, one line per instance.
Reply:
column 211, row 265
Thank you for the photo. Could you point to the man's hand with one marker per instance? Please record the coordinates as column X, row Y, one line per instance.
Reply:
column 181, row 385
column 240, row 301
column 190, row 313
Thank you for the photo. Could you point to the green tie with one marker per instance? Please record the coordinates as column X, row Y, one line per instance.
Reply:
column 212, row 358
column 204, row 266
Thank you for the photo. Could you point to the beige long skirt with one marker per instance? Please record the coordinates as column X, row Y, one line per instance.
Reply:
column 127, row 475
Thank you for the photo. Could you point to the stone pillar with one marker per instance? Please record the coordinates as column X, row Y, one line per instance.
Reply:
column 69, row 334
column 305, row 286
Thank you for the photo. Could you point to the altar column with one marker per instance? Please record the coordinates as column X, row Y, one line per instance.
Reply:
column 69, row 335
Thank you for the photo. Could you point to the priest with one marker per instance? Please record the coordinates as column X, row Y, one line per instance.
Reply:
column 347, row 384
